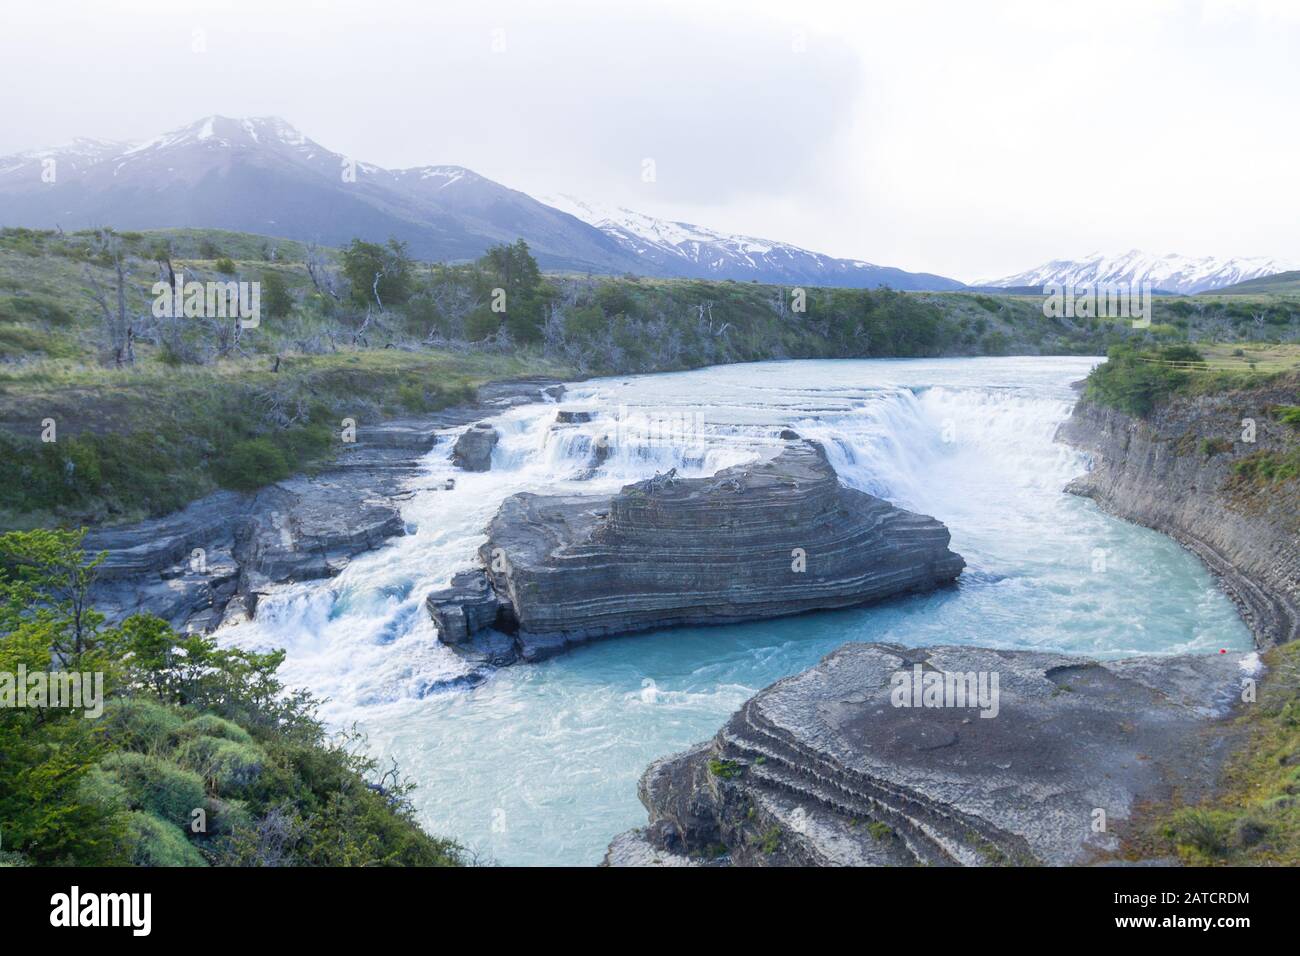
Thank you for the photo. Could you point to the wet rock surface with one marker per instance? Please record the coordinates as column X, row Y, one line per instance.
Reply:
column 823, row 769
column 760, row 540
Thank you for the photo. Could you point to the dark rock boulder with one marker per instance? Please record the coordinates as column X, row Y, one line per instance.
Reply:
column 767, row 539
column 1044, row 766
column 473, row 450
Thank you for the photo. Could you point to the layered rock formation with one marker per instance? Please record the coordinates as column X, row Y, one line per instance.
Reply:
column 824, row 768
column 1173, row 471
column 207, row 564
column 772, row 538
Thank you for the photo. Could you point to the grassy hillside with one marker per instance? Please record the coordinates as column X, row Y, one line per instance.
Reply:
column 152, row 412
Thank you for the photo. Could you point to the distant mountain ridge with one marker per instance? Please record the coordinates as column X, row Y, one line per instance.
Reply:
column 262, row 175
column 683, row 248
column 1170, row 273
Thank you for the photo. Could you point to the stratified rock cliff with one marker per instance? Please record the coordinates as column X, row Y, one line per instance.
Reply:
column 761, row 540
column 1174, row 471
column 1045, row 766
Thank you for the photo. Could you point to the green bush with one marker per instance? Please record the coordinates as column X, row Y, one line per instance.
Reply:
column 250, row 464
column 141, row 724
column 227, row 765
column 159, row 843
column 227, row 816
column 157, row 786
column 225, row 265
column 210, row 725
column 276, row 300
column 1134, row 381
column 1204, row 831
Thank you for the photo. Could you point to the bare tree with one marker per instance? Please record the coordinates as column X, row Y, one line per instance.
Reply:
column 119, row 324
column 318, row 269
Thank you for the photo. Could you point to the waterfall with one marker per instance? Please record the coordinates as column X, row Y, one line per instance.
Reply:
column 556, row 748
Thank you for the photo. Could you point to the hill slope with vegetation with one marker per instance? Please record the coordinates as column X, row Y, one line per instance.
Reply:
column 197, row 755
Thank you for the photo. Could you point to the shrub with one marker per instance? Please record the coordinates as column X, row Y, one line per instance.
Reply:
column 250, row 464
column 275, row 296
column 1134, row 381
column 225, row 265
column 227, row 816
column 157, row 786
column 210, row 725
column 159, row 843
column 138, row 723
column 1204, row 831
column 224, row 764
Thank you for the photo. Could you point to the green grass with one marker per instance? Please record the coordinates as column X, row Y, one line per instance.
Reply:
column 1254, row 818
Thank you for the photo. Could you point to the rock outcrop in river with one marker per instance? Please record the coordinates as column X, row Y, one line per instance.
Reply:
column 1174, row 471
column 1042, row 762
column 761, row 540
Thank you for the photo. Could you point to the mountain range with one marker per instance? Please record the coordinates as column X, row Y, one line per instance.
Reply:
column 262, row 175
column 1170, row 273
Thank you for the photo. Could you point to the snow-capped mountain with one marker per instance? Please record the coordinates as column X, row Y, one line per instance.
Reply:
column 682, row 248
column 262, row 175
column 1171, row 273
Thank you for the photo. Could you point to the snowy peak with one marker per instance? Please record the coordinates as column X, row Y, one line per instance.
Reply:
column 1168, row 273
column 683, row 248
column 683, row 237
column 222, row 132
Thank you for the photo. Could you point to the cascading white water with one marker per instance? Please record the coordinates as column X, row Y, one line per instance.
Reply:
column 538, row 764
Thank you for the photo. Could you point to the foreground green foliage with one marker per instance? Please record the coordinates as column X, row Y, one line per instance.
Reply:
column 1255, row 818
column 200, row 756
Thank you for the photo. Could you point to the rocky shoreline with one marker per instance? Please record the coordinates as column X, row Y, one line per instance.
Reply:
column 206, row 565
column 1172, row 472
column 766, row 539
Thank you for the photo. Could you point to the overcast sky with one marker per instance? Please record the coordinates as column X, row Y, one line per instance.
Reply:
column 969, row 139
